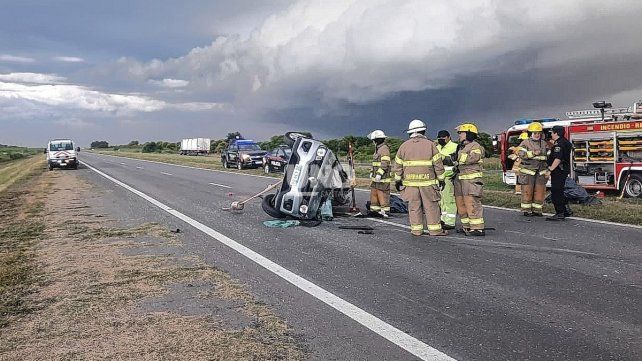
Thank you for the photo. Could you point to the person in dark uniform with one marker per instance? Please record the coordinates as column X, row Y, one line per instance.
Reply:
column 559, row 164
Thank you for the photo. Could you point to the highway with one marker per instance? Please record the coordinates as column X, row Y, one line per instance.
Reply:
column 526, row 291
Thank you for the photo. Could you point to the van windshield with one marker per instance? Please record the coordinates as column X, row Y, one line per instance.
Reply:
column 61, row 146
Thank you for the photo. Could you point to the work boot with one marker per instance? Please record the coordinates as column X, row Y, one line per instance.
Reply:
column 440, row 234
column 527, row 214
column 476, row 233
column 447, row 226
column 417, row 233
column 384, row 214
column 557, row 217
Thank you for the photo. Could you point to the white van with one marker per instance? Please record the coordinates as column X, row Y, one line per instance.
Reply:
column 62, row 153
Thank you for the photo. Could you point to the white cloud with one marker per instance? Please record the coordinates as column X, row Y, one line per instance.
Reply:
column 35, row 78
column 170, row 83
column 16, row 59
column 365, row 50
column 68, row 59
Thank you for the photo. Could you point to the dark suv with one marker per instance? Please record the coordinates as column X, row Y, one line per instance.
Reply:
column 243, row 153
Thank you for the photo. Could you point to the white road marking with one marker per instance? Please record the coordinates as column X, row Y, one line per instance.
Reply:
column 139, row 167
column 385, row 330
column 220, row 185
column 367, row 190
column 122, row 163
column 166, row 173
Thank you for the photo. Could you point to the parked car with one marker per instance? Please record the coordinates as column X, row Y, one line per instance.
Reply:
column 276, row 160
column 62, row 153
column 243, row 153
column 313, row 174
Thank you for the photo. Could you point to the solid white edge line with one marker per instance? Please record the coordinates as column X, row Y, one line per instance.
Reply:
column 383, row 329
column 366, row 190
column 220, row 185
column 165, row 173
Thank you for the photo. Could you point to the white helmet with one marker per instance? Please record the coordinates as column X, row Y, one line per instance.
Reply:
column 416, row 126
column 377, row 134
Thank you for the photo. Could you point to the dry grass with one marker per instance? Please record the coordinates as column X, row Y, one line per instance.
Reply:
column 104, row 292
column 13, row 171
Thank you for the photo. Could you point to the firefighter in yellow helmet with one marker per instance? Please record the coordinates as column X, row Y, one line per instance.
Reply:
column 468, row 182
column 533, row 172
column 380, row 175
column 420, row 171
column 517, row 161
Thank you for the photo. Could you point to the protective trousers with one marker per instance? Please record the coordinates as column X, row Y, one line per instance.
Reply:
column 533, row 192
column 468, row 194
column 447, row 204
column 379, row 200
column 423, row 207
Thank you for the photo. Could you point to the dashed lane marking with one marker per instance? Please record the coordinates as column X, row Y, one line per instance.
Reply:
column 373, row 323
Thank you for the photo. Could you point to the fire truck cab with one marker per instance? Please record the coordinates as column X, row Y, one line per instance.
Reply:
column 607, row 155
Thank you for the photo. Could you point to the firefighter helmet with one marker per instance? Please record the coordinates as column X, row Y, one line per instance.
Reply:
column 523, row 136
column 535, row 127
column 377, row 134
column 467, row 127
column 416, row 126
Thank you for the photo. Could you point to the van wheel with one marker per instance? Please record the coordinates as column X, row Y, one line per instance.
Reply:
column 269, row 207
column 633, row 187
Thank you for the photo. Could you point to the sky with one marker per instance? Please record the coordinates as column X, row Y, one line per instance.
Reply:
column 165, row 70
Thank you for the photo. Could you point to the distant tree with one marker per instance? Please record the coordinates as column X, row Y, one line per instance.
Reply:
column 216, row 145
column 231, row 136
column 99, row 144
column 133, row 143
column 486, row 141
column 150, row 147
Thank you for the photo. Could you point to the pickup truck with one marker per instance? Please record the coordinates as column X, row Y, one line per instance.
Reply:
column 243, row 153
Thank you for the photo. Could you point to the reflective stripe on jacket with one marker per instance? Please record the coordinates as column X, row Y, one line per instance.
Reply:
column 533, row 155
column 470, row 159
column 446, row 151
column 418, row 163
column 381, row 163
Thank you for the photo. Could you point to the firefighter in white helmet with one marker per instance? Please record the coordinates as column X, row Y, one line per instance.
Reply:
column 533, row 171
column 468, row 180
column 380, row 175
column 420, row 171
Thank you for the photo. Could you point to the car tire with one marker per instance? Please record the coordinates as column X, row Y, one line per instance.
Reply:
column 267, row 169
column 50, row 168
column 75, row 166
column 268, row 207
column 633, row 186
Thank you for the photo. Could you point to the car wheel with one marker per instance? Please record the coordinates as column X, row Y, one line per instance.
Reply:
column 269, row 207
column 267, row 169
column 76, row 166
column 50, row 168
column 633, row 187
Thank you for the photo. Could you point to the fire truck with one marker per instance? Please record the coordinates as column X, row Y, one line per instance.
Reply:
column 607, row 147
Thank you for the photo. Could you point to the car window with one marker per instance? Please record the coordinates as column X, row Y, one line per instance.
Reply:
column 57, row 146
column 288, row 152
column 249, row 146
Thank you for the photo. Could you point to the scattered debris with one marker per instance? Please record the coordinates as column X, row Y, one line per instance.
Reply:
column 281, row 223
column 238, row 206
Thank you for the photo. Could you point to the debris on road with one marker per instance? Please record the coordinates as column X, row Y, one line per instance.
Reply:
column 238, row 206
column 281, row 224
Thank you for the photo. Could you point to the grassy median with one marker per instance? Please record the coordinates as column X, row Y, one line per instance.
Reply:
column 496, row 193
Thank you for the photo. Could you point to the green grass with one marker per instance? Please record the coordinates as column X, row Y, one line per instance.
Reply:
column 9, row 153
column 496, row 193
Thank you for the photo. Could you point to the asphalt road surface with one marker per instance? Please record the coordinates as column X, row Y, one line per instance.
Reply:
column 529, row 290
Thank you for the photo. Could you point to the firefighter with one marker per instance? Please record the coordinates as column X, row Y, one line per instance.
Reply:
column 419, row 169
column 517, row 161
column 446, row 148
column 533, row 172
column 380, row 176
column 559, row 164
column 468, row 182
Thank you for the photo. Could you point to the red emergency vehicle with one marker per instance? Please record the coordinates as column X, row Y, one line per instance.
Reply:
column 607, row 155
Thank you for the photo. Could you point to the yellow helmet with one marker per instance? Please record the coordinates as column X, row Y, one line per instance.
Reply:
column 535, row 127
column 467, row 127
column 523, row 136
